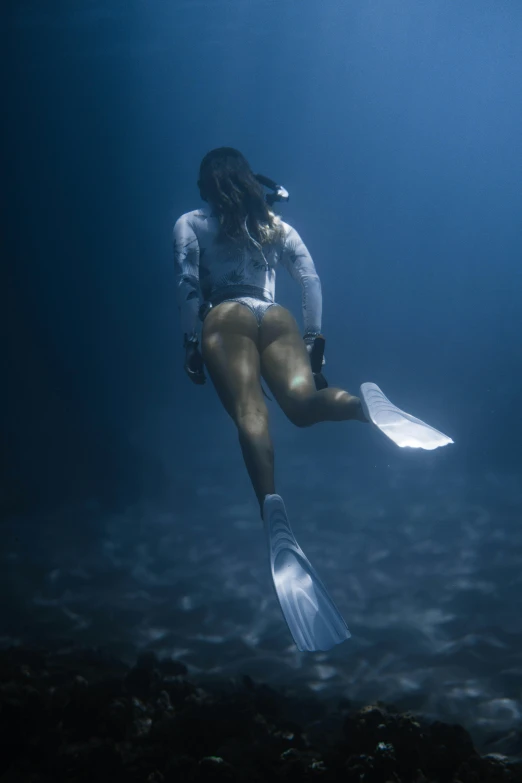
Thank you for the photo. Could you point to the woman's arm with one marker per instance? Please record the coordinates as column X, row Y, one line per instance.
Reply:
column 299, row 263
column 186, row 261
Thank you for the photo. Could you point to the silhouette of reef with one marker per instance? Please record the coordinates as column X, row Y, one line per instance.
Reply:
column 81, row 716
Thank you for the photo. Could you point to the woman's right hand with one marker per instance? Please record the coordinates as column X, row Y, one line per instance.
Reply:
column 315, row 347
column 194, row 366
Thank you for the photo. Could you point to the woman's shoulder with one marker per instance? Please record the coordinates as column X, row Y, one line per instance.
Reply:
column 195, row 216
column 289, row 232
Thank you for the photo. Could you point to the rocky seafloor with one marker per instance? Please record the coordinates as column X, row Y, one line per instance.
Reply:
column 81, row 715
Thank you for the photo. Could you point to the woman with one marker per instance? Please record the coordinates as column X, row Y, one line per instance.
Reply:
column 226, row 257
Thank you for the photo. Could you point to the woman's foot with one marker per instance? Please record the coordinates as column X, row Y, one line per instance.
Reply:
column 359, row 414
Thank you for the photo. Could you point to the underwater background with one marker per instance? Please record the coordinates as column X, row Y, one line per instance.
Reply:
column 128, row 521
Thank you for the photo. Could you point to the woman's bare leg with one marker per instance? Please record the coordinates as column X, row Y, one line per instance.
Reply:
column 285, row 365
column 230, row 350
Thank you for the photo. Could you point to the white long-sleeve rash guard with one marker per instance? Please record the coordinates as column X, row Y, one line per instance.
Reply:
column 205, row 266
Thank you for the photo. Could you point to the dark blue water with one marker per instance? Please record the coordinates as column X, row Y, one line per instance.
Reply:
column 127, row 516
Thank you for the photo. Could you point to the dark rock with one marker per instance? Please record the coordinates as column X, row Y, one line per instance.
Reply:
column 85, row 717
column 143, row 678
column 172, row 667
column 215, row 768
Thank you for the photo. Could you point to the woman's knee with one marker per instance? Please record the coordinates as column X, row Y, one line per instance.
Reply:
column 299, row 408
column 252, row 421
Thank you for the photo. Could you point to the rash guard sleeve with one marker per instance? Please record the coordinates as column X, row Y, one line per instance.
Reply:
column 186, row 262
column 298, row 261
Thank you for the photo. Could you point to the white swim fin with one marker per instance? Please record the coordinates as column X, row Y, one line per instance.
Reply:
column 402, row 428
column 312, row 617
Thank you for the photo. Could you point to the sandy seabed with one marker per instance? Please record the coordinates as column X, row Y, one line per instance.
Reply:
column 432, row 597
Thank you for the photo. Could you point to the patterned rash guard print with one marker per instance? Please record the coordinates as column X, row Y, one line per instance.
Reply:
column 205, row 266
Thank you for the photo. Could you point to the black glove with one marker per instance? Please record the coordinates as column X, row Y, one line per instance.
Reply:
column 315, row 348
column 194, row 366
column 320, row 381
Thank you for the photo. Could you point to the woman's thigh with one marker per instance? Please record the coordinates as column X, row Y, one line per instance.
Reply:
column 285, row 363
column 230, row 350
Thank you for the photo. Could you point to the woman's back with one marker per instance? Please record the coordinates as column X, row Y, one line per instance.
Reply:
column 210, row 264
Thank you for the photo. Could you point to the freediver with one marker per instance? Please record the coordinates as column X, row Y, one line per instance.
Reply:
column 226, row 255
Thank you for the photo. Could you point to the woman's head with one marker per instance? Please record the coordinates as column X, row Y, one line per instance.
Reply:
column 227, row 182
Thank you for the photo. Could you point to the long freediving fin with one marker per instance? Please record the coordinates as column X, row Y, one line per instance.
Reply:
column 402, row 428
column 312, row 617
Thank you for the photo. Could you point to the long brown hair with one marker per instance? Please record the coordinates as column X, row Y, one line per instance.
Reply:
column 227, row 182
